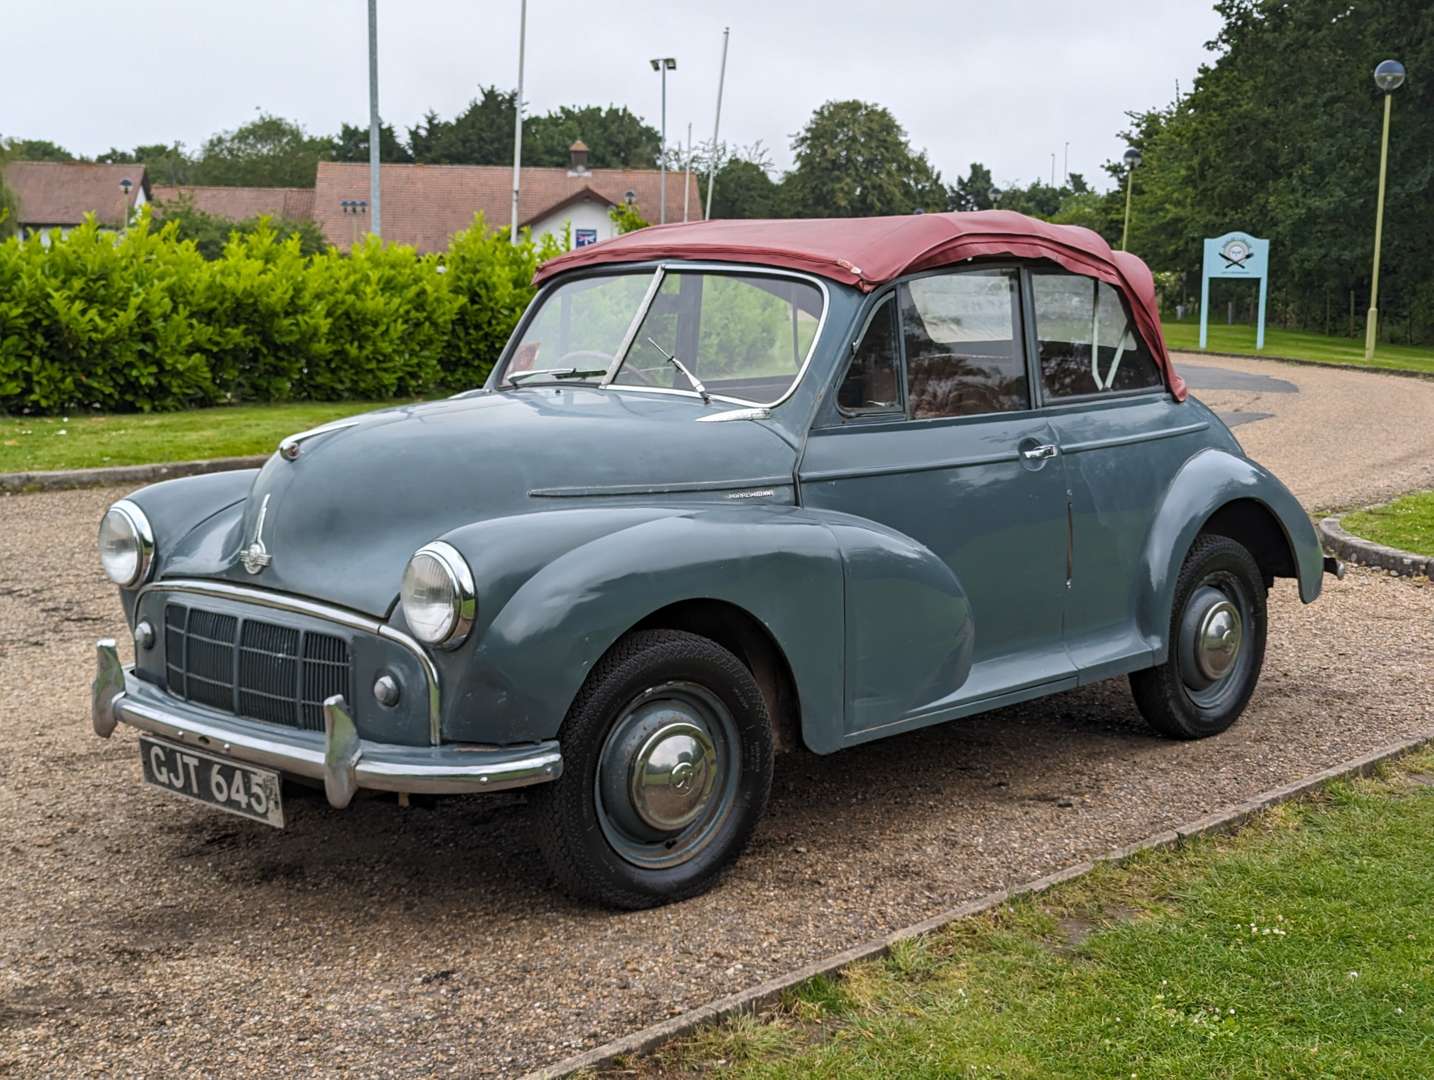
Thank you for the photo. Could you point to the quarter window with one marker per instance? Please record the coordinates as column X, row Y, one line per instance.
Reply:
column 872, row 379
column 963, row 344
column 1088, row 344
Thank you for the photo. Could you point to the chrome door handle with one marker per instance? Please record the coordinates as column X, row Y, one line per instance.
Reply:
column 1040, row 453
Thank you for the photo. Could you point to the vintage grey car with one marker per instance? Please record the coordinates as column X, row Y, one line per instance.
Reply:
column 732, row 487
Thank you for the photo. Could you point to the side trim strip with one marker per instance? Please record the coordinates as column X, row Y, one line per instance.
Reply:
column 661, row 489
column 1128, row 440
column 914, row 467
column 223, row 590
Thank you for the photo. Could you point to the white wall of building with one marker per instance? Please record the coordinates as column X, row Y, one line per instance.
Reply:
column 588, row 214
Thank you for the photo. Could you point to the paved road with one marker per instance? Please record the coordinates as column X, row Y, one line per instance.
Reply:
column 142, row 934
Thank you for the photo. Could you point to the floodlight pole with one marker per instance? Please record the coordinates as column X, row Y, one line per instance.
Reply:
column 687, row 175
column 662, row 65
column 373, row 133
column 518, row 120
column 1132, row 160
column 716, row 124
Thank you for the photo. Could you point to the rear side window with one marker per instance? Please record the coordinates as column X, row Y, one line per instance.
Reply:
column 1088, row 343
column 963, row 344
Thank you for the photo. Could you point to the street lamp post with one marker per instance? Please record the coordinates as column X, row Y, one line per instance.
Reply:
column 1132, row 161
column 1388, row 76
column 125, row 186
column 663, row 64
column 374, row 145
column 518, row 120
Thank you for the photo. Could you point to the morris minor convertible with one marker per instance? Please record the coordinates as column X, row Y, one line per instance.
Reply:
column 731, row 487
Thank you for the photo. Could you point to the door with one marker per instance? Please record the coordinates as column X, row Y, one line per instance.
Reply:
column 932, row 433
column 1122, row 438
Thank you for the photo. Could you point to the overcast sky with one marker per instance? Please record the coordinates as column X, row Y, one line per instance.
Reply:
column 1004, row 83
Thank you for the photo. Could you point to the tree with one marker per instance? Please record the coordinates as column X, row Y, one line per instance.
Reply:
column 267, row 152
column 165, row 164
column 482, row 134
column 210, row 232
column 974, row 191
column 37, row 150
column 615, row 137
column 743, row 189
column 9, row 204
column 853, row 159
column 626, row 218
column 351, row 144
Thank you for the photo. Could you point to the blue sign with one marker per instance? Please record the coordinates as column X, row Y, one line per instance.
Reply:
column 1235, row 255
column 584, row 237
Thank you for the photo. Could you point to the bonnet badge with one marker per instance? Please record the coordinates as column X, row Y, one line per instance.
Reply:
column 255, row 557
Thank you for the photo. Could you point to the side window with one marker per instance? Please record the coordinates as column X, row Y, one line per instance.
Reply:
column 871, row 380
column 963, row 344
column 1088, row 344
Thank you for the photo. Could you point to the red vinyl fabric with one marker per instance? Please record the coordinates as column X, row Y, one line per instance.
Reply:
column 867, row 252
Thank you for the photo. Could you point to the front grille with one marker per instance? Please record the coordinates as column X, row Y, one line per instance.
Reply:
column 253, row 668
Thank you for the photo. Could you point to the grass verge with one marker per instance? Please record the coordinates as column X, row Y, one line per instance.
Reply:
column 30, row 444
column 1407, row 523
column 1301, row 946
column 1184, row 336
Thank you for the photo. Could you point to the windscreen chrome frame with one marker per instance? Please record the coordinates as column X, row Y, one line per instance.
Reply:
column 658, row 274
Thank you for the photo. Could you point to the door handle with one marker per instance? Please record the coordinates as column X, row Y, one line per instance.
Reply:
column 1040, row 453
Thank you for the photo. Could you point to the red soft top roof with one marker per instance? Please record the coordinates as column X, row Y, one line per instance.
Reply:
column 866, row 252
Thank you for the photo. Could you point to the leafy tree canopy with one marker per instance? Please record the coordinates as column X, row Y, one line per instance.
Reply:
column 853, row 159
column 351, row 144
column 164, row 164
column 37, row 150
column 267, row 152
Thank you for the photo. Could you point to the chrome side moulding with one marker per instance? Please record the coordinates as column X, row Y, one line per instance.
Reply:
column 354, row 621
column 338, row 757
column 290, row 446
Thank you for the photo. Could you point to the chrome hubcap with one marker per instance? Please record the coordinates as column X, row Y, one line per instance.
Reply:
column 1217, row 641
column 672, row 775
column 668, row 773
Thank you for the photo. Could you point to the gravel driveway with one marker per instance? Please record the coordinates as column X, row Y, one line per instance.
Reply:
column 143, row 936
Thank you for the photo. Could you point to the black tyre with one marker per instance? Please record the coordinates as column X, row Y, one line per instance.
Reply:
column 1217, row 644
column 667, row 765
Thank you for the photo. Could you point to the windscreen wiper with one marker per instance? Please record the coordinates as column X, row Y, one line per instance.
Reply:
column 680, row 366
column 556, row 373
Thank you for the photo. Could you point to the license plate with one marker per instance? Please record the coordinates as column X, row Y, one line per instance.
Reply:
column 214, row 781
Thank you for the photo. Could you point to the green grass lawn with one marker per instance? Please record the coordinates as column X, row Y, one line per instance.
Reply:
column 1184, row 336
column 1407, row 523
column 1302, row 946
column 84, row 441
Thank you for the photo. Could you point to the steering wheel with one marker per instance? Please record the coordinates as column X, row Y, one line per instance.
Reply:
column 604, row 359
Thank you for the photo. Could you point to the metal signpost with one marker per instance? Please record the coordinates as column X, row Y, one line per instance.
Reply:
column 1235, row 255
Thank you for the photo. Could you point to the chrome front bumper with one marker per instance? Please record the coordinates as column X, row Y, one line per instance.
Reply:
column 337, row 756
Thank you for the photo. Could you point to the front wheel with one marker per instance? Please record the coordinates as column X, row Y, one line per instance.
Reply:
column 1216, row 644
column 667, row 765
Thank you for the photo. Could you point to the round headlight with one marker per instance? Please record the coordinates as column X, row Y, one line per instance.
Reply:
column 126, row 544
column 438, row 598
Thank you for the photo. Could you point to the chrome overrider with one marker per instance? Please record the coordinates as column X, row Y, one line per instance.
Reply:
column 337, row 756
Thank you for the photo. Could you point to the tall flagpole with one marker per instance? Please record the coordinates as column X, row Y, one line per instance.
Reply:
column 518, row 119
column 375, row 221
column 716, row 123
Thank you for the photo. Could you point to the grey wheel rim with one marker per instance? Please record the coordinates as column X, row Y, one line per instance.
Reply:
column 667, row 775
column 1214, row 649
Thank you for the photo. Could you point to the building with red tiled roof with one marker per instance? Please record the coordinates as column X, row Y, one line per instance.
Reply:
column 240, row 203
column 423, row 205
column 58, row 194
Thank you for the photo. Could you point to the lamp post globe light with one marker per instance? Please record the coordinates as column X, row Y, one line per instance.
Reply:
column 1132, row 162
column 663, row 64
column 1388, row 76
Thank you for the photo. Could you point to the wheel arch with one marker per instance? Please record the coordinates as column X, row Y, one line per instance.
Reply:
column 746, row 637
column 1223, row 494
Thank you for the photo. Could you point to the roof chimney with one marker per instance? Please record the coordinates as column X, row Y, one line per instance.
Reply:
column 578, row 157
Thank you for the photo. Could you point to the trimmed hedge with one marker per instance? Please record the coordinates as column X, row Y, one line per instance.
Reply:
column 142, row 322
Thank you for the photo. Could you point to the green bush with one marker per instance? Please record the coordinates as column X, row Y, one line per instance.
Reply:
column 144, row 322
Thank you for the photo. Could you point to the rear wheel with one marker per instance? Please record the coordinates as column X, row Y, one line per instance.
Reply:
column 667, row 765
column 1217, row 644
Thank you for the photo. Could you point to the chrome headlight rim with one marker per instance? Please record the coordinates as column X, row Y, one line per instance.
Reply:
column 143, row 540
column 464, row 603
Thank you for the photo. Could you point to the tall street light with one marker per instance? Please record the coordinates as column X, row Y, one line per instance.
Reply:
column 518, row 120
column 1388, row 76
column 1132, row 161
column 664, row 64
